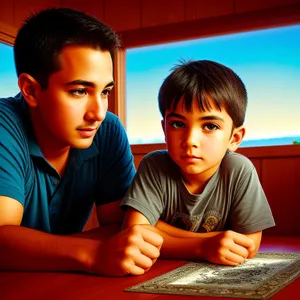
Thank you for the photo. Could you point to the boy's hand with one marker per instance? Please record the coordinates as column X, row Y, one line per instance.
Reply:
column 131, row 251
column 227, row 248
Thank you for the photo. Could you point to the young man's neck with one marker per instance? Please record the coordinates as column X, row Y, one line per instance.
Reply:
column 56, row 154
column 58, row 159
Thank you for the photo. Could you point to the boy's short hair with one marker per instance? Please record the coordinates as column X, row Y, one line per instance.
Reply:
column 44, row 34
column 204, row 80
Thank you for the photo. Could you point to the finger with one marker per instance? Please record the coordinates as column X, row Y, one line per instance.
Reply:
column 133, row 269
column 239, row 250
column 243, row 241
column 151, row 237
column 148, row 250
column 141, row 260
column 234, row 258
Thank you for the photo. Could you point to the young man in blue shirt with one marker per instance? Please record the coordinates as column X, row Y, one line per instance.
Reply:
column 205, row 200
column 61, row 152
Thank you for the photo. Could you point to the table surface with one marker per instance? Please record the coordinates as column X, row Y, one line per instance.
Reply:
column 56, row 286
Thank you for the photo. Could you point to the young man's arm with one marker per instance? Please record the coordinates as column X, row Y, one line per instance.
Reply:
column 131, row 251
column 228, row 247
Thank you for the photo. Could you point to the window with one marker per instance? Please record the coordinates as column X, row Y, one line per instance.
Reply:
column 8, row 77
column 266, row 60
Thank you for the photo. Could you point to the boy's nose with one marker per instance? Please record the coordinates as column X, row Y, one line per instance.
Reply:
column 192, row 138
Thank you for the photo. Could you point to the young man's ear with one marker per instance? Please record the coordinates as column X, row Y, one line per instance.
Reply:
column 29, row 88
column 236, row 138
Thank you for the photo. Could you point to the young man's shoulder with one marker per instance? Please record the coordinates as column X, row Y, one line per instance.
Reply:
column 14, row 116
column 110, row 128
column 111, row 118
column 11, row 105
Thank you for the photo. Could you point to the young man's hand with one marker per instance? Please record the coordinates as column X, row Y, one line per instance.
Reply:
column 131, row 251
column 227, row 248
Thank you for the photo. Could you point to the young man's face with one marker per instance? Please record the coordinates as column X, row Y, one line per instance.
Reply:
column 70, row 111
column 197, row 141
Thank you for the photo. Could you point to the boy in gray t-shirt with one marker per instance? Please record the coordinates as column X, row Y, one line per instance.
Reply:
column 205, row 200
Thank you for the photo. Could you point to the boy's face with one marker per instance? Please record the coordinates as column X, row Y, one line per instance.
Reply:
column 197, row 141
column 70, row 111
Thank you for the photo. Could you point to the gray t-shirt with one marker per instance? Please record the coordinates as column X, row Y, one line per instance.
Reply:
column 232, row 199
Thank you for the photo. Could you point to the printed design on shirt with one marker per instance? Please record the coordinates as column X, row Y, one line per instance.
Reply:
column 186, row 222
column 211, row 220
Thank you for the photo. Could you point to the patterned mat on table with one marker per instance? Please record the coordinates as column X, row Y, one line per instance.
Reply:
column 257, row 278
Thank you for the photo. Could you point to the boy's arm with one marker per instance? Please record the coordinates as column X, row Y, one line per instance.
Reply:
column 131, row 251
column 177, row 232
column 227, row 248
column 256, row 237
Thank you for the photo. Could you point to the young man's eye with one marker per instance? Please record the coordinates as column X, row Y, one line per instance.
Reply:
column 106, row 92
column 78, row 92
column 210, row 127
column 177, row 124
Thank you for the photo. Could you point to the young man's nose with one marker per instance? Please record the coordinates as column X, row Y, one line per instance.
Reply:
column 97, row 108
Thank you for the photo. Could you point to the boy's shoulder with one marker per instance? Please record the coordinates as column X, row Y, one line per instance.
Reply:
column 158, row 156
column 233, row 161
column 160, row 160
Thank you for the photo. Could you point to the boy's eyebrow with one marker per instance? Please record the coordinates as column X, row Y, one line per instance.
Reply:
column 88, row 83
column 204, row 118
column 172, row 114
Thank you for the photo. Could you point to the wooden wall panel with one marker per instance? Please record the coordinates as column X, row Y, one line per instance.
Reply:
column 257, row 164
column 24, row 8
column 199, row 9
column 7, row 13
column 158, row 12
column 92, row 7
column 242, row 5
column 201, row 28
column 123, row 15
column 281, row 183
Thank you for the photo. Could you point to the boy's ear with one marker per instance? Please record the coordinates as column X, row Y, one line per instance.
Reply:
column 236, row 138
column 29, row 88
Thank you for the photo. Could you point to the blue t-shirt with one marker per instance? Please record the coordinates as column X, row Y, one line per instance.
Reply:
column 99, row 174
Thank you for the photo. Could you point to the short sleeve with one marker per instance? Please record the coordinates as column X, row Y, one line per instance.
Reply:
column 250, row 211
column 146, row 193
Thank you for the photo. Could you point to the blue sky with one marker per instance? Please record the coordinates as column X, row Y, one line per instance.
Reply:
column 8, row 77
column 267, row 61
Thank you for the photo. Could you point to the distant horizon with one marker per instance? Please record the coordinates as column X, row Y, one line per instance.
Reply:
column 278, row 141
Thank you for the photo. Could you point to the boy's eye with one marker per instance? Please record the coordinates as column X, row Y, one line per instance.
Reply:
column 177, row 124
column 210, row 127
column 78, row 92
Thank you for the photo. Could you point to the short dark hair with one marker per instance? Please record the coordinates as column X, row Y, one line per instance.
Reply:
column 44, row 34
column 201, row 79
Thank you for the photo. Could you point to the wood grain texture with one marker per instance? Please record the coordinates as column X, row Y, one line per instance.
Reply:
column 200, row 9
